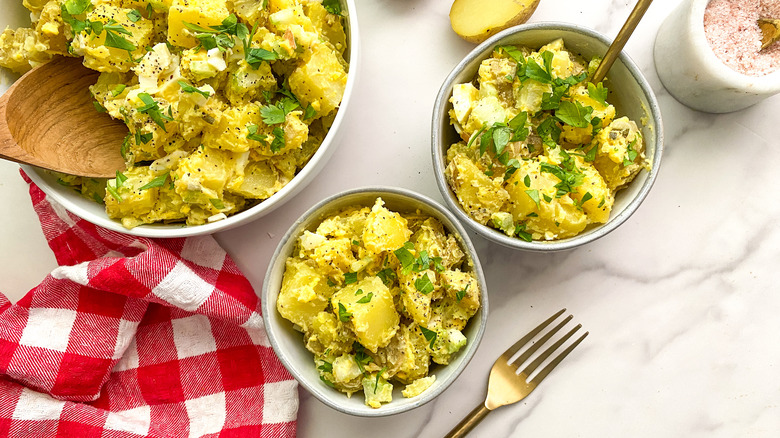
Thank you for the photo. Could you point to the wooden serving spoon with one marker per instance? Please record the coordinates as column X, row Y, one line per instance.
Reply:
column 48, row 119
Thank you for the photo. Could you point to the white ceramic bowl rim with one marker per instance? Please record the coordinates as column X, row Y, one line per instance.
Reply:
column 301, row 179
column 442, row 100
column 766, row 84
column 463, row 358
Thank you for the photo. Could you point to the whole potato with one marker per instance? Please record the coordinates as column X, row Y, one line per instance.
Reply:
column 476, row 20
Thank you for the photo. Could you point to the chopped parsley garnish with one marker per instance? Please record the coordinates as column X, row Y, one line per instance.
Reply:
column 387, row 276
column 405, row 257
column 253, row 135
column 332, row 6
column 366, row 298
column 350, row 277
column 152, row 109
column 361, row 357
column 327, row 382
column 277, row 143
column 378, row 375
column 574, row 114
column 219, row 36
column 521, row 233
column 423, row 284
column 534, row 195
column 120, row 179
column 631, row 154
column 156, row 182
column 598, row 92
column 119, row 89
column 462, row 293
column 326, row 367
column 134, row 15
column 585, row 198
column 344, row 316
column 569, row 176
column 113, row 192
column 430, row 335
column 187, row 88
column 275, row 114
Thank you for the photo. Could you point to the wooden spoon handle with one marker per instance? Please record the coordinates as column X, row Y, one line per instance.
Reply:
column 47, row 119
column 9, row 149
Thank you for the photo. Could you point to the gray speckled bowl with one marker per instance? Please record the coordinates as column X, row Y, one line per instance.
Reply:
column 288, row 343
column 630, row 93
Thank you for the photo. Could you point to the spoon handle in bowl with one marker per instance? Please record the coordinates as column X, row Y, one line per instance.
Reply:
column 620, row 40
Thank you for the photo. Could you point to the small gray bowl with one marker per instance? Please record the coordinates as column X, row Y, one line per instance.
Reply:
column 630, row 93
column 288, row 342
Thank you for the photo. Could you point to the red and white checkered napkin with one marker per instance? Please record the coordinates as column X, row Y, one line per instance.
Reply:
column 136, row 337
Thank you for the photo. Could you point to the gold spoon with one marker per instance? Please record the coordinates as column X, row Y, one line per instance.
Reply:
column 620, row 40
column 47, row 119
column 770, row 31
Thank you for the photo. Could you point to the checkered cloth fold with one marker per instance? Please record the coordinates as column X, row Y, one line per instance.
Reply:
column 138, row 337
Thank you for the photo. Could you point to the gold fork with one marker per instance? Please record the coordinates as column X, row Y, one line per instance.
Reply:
column 505, row 385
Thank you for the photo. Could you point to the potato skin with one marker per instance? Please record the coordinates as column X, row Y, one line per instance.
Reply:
column 477, row 20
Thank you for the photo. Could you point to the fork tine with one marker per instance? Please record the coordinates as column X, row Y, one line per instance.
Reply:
column 541, row 341
column 550, row 366
column 511, row 351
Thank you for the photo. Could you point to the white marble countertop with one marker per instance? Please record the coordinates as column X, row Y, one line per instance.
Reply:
column 681, row 301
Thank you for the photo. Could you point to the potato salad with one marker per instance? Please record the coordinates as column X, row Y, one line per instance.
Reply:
column 225, row 101
column 379, row 297
column 542, row 151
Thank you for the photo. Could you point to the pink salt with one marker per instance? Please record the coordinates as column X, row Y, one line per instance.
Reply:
column 731, row 28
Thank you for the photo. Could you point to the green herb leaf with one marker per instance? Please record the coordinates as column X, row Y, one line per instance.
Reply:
column 430, row 335
column 327, row 382
column 350, row 277
column 527, row 180
column 277, row 143
column 522, row 234
column 366, row 298
column 631, row 154
column 255, row 56
column 598, row 92
column 423, row 284
column 253, row 135
column 152, row 109
column 326, row 367
column 332, row 6
column 574, row 114
column 534, row 195
column 387, row 276
column 187, row 88
column 134, row 16
column 462, row 293
column 118, row 90
column 113, row 192
column 405, row 257
column 361, row 357
column 344, row 316
column 77, row 7
column 120, row 179
column 156, row 182
column 536, row 72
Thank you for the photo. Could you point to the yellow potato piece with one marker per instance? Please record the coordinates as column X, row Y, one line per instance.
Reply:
column 374, row 318
column 476, row 20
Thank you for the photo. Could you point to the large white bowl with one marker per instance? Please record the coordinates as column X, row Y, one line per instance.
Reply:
column 288, row 342
column 629, row 91
column 14, row 15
